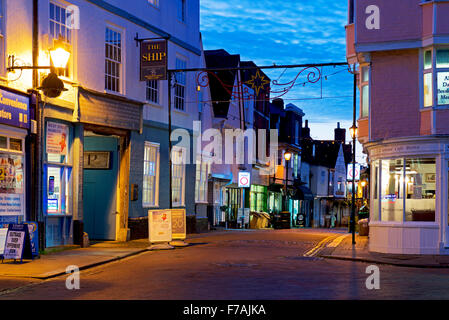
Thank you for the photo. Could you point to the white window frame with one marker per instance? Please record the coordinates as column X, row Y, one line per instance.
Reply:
column 180, row 86
column 156, row 175
column 364, row 84
column 424, row 72
column 178, row 172
column 202, row 177
column 120, row 63
column 68, row 37
column 152, row 92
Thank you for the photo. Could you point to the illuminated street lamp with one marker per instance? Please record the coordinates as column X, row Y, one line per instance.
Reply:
column 51, row 86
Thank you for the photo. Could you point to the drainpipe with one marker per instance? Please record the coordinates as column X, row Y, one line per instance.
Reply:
column 221, row 194
column 39, row 119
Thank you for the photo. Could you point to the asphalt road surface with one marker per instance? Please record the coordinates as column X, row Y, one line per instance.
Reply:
column 243, row 265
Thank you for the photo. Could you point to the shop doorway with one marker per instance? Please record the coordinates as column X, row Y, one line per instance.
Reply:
column 100, row 185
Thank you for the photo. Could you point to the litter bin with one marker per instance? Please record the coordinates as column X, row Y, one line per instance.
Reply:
column 282, row 220
column 363, row 228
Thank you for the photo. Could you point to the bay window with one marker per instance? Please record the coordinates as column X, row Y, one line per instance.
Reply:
column 406, row 188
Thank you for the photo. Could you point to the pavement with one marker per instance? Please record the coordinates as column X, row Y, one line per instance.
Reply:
column 341, row 247
column 54, row 264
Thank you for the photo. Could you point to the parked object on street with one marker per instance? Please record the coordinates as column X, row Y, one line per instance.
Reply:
column 363, row 228
column 282, row 220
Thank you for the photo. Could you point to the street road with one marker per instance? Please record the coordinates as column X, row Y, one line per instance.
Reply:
column 243, row 265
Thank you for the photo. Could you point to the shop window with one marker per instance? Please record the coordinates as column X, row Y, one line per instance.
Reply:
column 420, row 186
column 150, row 188
column 12, row 176
column 57, row 169
column 374, row 205
column 392, row 193
column 258, row 198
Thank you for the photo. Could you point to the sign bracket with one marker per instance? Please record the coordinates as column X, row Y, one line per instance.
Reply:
column 140, row 40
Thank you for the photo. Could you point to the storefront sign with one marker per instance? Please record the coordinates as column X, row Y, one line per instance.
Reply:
column 57, row 138
column 350, row 171
column 17, row 244
column 443, row 88
column 3, row 232
column 11, row 204
column 244, row 179
column 159, row 226
column 178, row 219
column 14, row 109
column 153, row 60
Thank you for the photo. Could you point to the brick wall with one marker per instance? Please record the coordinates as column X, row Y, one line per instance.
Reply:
column 395, row 94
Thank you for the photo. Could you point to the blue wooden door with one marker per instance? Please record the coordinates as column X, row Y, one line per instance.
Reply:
column 99, row 191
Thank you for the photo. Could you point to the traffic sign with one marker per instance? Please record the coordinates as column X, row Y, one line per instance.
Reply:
column 244, row 179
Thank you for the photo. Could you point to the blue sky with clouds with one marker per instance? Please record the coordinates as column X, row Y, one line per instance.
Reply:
column 289, row 32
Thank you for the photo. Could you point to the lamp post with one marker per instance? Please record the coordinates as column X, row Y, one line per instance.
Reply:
column 287, row 157
column 353, row 132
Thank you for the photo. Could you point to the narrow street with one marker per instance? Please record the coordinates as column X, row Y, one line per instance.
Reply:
column 239, row 265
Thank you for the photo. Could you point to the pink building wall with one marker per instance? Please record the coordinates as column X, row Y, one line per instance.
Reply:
column 395, row 21
column 395, row 94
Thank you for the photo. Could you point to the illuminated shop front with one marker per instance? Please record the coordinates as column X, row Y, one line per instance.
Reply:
column 14, row 122
column 57, row 186
column 409, row 196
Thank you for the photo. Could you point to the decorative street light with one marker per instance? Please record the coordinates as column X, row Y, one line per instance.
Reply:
column 287, row 157
column 51, row 86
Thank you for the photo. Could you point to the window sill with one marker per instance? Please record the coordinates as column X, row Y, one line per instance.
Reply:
column 147, row 206
column 154, row 105
column 181, row 112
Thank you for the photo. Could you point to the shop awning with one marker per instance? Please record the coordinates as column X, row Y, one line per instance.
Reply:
column 302, row 193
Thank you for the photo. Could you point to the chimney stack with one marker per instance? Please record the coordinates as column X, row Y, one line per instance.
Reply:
column 305, row 132
column 340, row 134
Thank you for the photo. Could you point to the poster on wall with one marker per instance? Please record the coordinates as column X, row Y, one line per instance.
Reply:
column 57, row 138
column 443, row 88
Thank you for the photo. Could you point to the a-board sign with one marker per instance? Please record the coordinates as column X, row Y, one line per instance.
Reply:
column 178, row 218
column 34, row 237
column 17, row 244
column 3, row 232
column 159, row 226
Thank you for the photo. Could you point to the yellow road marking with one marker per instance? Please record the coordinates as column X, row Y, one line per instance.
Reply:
column 318, row 246
column 337, row 241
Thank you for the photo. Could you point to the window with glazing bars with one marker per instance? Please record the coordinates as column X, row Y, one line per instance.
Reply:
column 180, row 85
column 113, row 61
column 153, row 91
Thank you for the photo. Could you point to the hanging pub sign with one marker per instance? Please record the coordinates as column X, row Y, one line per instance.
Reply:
column 14, row 109
column 153, row 60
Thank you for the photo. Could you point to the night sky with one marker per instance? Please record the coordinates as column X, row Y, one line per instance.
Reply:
column 290, row 32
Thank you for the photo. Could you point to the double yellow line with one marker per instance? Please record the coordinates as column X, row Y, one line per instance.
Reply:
column 333, row 241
